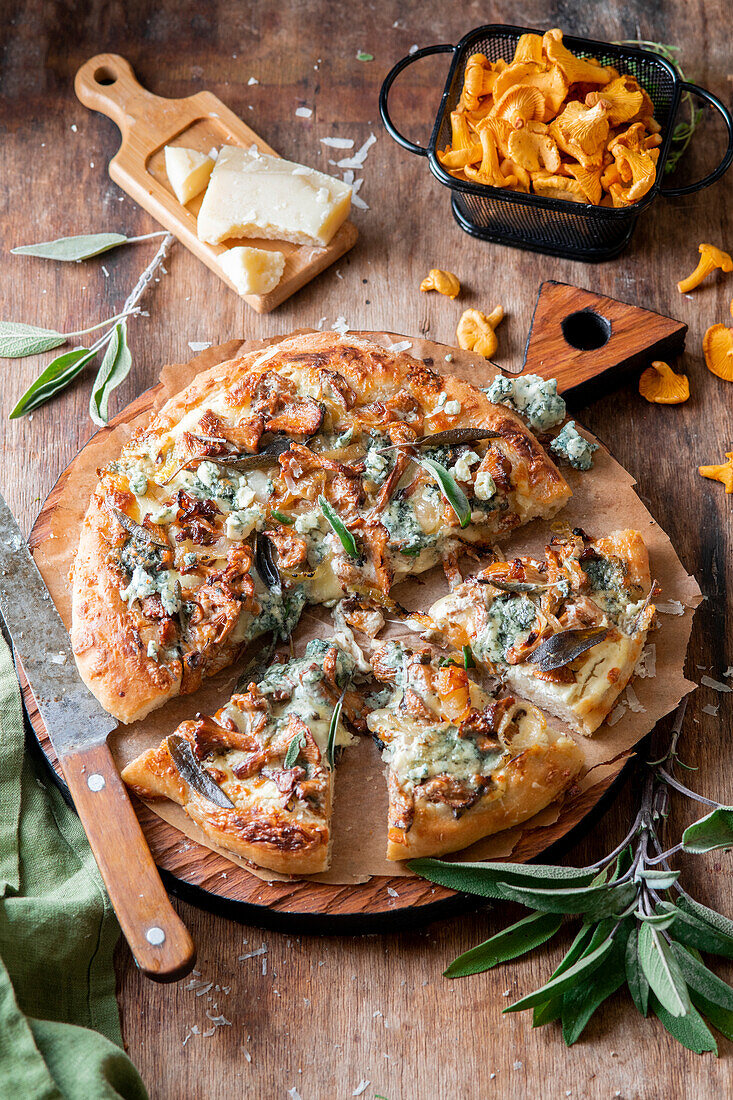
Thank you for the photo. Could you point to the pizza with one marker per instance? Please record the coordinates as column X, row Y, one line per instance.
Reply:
column 322, row 467
column 462, row 765
column 565, row 632
column 269, row 752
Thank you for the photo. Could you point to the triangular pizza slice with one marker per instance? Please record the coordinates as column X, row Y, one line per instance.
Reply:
column 566, row 631
column 462, row 765
column 257, row 777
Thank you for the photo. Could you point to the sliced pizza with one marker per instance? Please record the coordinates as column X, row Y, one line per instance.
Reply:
column 257, row 777
column 324, row 466
column 462, row 765
column 565, row 632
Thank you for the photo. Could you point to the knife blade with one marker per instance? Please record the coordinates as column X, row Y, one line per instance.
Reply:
column 78, row 728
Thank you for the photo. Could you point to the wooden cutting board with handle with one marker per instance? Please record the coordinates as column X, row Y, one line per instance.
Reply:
column 148, row 123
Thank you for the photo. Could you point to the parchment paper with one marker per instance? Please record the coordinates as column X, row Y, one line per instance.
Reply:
column 603, row 501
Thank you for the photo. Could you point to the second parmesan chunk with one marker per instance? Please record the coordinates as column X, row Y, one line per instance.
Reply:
column 188, row 171
column 254, row 195
column 252, row 270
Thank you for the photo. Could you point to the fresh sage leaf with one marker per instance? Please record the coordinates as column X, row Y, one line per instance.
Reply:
column 711, row 832
column 586, row 965
column 550, row 1010
column 294, row 750
column 72, row 248
column 510, row 943
column 485, row 879
column 661, row 921
column 331, row 743
column 593, row 901
column 346, row 538
column 59, row 373
column 18, row 340
column 450, row 489
column 690, row 1029
column 582, row 1000
column 702, row 980
column 662, row 971
column 720, row 1018
column 635, row 976
column 697, row 926
column 660, row 880
column 113, row 371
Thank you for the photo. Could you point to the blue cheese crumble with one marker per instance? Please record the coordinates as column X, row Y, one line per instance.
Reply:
column 575, row 448
column 510, row 620
column 535, row 399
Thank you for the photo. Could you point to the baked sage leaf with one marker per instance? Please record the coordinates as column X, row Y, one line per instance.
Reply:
column 690, row 1030
column 59, row 373
column 294, row 750
column 662, row 971
column 510, row 943
column 266, row 565
column 18, row 340
column 194, row 774
column 138, row 532
column 710, row 833
column 450, row 489
column 560, row 649
column 345, row 536
column 112, row 373
column 586, row 965
column 333, row 727
column 268, row 456
column 72, row 248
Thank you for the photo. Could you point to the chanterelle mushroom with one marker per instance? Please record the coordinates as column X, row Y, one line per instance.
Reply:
column 622, row 99
column 581, row 132
column 660, row 385
column 445, row 282
column 478, row 81
column 558, row 187
column 534, row 152
column 520, row 104
column 475, row 331
column 636, row 164
column 574, row 68
column 717, row 345
column 722, row 473
column 710, row 258
column 489, row 171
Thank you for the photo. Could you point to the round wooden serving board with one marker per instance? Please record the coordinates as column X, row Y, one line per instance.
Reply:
column 208, row 879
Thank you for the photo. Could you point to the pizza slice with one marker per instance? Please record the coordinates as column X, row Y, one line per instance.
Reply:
column 462, row 765
column 257, row 777
column 565, row 632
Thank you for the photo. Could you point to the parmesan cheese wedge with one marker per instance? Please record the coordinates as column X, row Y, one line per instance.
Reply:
column 188, row 171
column 252, row 194
column 252, row 270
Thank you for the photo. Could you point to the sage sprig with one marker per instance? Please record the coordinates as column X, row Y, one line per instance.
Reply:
column 18, row 340
column 639, row 927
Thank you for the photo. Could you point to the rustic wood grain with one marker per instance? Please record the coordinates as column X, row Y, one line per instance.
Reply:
column 316, row 1020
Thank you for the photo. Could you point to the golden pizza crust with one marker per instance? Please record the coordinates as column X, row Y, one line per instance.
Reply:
column 527, row 784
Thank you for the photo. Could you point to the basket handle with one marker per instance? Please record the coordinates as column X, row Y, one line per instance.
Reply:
column 385, row 90
column 712, row 101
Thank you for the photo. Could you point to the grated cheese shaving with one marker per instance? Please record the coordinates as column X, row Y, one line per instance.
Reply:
column 361, row 1087
column 646, row 666
column 359, row 157
column 672, row 607
column 199, row 345
column 617, row 713
column 633, row 700
column 338, row 143
column 340, row 326
column 303, row 112
column 253, row 954
column 709, row 709
column 401, row 345
column 714, row 684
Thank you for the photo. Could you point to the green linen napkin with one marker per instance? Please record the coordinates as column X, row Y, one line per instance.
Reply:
column 57, row 935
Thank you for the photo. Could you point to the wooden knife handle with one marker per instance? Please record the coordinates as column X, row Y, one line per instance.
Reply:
column 158, row 939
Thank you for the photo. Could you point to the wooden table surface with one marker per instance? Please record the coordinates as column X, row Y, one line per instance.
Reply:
column 322, row 1016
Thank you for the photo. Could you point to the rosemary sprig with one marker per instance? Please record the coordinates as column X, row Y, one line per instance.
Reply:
column 683, row 131
column 639, row 927
column 20, row 340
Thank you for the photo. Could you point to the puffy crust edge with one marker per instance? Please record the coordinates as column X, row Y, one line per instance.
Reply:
column 260, row 838
column 534, row 779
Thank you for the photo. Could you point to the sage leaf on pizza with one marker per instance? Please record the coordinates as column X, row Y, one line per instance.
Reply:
column 462, row 765
column 295, row 459
column 565, row 632
column 269, row 751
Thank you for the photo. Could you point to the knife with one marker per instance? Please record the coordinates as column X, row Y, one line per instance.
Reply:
column 78, row 728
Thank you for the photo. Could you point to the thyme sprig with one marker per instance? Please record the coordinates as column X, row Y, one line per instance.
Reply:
column 19, row 340
column 639, row 926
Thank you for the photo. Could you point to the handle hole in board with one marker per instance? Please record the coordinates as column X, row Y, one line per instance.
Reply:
column 103, row 75
column 586, row 330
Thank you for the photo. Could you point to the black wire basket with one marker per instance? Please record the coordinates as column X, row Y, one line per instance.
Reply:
column 556, row 227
